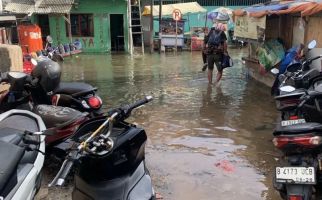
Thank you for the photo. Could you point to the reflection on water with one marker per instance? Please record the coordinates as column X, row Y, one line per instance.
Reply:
column 205, row 142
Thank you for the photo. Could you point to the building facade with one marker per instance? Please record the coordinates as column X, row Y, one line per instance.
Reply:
column 100, row 25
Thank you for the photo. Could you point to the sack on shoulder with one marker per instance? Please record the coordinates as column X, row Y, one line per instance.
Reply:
column 227, row 61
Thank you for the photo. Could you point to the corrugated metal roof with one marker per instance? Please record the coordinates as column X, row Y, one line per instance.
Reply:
column 39, row 6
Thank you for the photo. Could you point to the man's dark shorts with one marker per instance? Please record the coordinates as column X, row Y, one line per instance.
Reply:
column 215, row 59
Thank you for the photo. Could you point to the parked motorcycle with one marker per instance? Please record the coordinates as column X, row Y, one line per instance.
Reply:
column 298, row 175
column 110, row 161
column 291, row 91
column 44, row 87
column 63, row 121
column 22, row 149
column 297, row 73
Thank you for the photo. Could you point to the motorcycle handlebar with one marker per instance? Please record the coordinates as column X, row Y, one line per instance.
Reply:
column 130, row 107
column 309, row 61
column 64, row 170
column 64, row 173
column 309, row 95
column 125, row 111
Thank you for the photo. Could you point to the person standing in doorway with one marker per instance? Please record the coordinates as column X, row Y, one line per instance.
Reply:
column 216, row 49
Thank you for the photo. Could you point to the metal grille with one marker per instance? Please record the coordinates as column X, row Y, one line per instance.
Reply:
column 215, row 2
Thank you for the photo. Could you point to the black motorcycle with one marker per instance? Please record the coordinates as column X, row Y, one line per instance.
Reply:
column 43, row 86
column 109, row 162
column 294, row 83
column 298, row 175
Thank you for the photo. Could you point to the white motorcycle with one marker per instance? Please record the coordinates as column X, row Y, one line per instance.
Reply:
column 22, row 149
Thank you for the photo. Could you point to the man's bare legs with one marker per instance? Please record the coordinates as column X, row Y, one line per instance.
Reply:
column 210, row 76
column 219, row 75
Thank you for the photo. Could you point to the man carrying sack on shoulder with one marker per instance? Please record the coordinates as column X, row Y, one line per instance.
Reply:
column 216, row 50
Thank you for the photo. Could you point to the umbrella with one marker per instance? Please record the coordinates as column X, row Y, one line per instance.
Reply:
column 220, row 14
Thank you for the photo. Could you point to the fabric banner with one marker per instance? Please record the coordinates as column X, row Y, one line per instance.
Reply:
column 250, row 27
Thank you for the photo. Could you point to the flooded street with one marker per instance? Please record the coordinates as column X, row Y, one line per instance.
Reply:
column 205, row 142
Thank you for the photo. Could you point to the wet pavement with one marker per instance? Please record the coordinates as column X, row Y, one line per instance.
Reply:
column 205, row 142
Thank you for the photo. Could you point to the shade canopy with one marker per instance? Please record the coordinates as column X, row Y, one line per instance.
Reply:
column 185, row 8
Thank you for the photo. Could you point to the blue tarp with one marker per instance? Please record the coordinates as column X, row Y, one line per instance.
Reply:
column 268, row 7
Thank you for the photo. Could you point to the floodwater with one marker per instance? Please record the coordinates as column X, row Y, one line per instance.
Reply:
column 205, row 142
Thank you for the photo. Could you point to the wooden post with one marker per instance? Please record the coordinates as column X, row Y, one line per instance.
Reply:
column 129, row 18
column 176, row 35
column 151, row 27
column 70, row 29
column 160, row 18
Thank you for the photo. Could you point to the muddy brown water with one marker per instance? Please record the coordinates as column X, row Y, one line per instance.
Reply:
column 204, row 142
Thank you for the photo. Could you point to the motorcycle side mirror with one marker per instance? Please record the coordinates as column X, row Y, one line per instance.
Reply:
column 312, row 45
column 275, row 71
column 287, row 88
column 34, row 61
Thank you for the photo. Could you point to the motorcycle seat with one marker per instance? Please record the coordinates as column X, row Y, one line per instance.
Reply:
column 57, row 116
column 298, row 129
column 11, row 132
column 10, row 156
column 75, row 88
column 297, row 92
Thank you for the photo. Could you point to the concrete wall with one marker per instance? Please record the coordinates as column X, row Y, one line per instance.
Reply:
column 101, row 9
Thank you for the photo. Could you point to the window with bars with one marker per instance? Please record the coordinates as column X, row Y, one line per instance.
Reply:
column 82, row 25
column 215, row 2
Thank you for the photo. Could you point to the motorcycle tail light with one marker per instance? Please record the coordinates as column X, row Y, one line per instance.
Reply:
column 94, row 102
column 295, row 197
column 305, row 141
column 294, row 117
column 54, row 100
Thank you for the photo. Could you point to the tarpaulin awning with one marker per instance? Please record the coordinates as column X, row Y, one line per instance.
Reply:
column 305, row 8
column 296, row 8
column 40, row 6
column 185, row 8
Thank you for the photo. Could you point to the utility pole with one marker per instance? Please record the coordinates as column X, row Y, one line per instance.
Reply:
column 160, row 18
column 151, row 27
column 1, row 8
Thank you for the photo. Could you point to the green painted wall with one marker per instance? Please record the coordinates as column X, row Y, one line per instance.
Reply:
column 101, row 9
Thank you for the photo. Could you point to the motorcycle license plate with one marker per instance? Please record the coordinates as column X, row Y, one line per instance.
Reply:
column 295, row 175
column 292, row 122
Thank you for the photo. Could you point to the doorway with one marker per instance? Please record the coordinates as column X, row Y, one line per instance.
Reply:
column 43, row 23
column 117, row 32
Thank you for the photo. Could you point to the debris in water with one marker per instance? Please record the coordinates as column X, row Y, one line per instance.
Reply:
column 158, row 196
column 225, row 165
column 225, row 128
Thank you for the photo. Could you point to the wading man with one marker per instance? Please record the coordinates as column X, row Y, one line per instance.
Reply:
column 216, row 49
